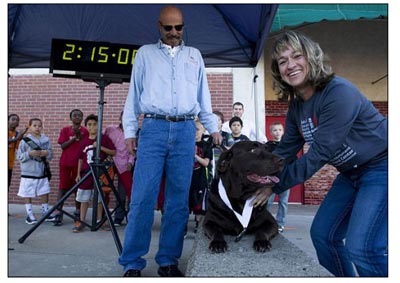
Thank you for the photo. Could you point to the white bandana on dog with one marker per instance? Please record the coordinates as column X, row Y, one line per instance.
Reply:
column 243, row 218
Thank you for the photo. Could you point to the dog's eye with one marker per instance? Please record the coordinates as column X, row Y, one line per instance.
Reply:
column 253, row 150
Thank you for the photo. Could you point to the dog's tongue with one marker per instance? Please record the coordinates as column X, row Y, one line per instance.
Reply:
column 274, row 179
column 263, row 179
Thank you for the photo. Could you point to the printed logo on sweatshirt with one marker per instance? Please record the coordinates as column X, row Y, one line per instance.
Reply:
column 342, row 155
column 308, row 129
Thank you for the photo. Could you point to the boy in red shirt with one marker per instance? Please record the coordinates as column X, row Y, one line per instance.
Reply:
column 87, row 154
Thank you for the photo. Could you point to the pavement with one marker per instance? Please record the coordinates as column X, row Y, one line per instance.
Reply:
column 284, row 259
column 57, row 252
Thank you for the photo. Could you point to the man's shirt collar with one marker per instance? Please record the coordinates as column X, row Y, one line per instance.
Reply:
column 161, row 44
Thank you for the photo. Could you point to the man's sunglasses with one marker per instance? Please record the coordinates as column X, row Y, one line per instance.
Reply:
column 169, row 27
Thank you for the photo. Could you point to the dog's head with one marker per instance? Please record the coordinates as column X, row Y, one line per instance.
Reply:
column 248, row 166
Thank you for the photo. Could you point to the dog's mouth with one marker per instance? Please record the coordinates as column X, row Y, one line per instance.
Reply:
column 263, row 179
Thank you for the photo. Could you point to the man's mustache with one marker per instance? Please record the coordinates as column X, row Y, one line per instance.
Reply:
column 173, row 37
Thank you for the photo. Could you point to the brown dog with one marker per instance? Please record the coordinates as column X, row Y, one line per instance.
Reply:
column 241, row 170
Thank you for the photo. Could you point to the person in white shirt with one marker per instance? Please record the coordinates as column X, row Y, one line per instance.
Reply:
column 249, row 128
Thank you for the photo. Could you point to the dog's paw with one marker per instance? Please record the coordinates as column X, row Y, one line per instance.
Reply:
column 262, row 246
column 218, row 246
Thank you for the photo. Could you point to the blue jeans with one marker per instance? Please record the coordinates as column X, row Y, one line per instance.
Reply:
column 163, row 147
column 283, row 199
column 350, row 229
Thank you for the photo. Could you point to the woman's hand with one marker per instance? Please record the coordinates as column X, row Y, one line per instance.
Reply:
column 261, row 196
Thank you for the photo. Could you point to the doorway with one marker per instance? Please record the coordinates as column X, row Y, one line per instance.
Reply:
column 296, row 194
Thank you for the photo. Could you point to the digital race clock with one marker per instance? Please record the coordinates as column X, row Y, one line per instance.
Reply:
column 93, row 60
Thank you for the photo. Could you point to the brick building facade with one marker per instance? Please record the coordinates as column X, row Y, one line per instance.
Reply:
column 52, row 99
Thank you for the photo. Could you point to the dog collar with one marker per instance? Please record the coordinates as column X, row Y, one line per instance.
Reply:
column 243, row 218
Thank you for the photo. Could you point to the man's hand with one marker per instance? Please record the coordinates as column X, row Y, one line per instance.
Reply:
column 131, row 145
column 261, row 196
column 217, row 138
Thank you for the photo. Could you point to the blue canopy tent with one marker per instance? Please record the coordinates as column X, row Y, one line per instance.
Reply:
column 228, row 35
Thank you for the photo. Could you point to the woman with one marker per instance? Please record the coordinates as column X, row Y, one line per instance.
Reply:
column 342, row 128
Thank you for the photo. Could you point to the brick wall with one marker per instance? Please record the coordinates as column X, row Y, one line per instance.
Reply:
column 52, row 99
column 317, row 186
column 221, row 88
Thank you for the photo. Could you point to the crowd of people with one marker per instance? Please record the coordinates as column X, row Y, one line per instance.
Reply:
column 177, row 143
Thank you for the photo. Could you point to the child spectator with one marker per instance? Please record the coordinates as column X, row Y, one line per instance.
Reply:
column 249, row 127
column 236, row 125
column 14, row 137
column 217, row 150
column 199, row 185
column 123, row 162
column 277, row 131
column 70, row 140
column 86, row 189
column 32, row 152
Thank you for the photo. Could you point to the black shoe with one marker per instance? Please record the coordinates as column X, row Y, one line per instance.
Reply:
column 170, row 271
column 132, row 273
column 30, row 221
column 50, row 218
column 58, row 220
column 118, row 222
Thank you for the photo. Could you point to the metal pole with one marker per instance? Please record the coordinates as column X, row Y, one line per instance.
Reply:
column 102, row 83
column 256, row 102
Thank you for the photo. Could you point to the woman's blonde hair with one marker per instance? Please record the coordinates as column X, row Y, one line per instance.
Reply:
column 320, row 73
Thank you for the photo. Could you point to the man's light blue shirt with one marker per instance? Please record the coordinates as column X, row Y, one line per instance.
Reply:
column 161, row 84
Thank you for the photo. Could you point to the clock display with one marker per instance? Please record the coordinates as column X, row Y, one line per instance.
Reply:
column 77, row 58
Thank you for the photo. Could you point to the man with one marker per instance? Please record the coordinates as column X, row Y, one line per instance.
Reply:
column 249, row 129
column 169, row 86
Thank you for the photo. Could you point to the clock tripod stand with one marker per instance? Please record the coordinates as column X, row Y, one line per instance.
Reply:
column 97, row 168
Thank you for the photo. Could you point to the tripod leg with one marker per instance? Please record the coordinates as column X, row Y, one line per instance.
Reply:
column 108, row 214
column 50, row 211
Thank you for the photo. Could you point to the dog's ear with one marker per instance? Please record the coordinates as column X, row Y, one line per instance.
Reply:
column 224, row 161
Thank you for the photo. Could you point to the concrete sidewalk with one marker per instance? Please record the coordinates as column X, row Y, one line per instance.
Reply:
column 57, row 252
